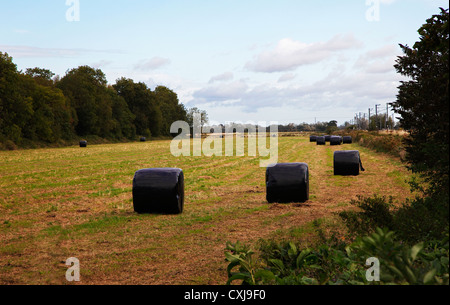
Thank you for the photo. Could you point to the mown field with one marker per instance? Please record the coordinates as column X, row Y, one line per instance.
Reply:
column 73, row 202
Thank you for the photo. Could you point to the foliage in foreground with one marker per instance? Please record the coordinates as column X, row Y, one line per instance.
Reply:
column 335, row 263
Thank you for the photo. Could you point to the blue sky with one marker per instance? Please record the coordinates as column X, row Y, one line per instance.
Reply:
column 247, row 60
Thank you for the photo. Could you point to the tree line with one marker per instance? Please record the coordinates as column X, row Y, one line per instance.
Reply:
column 37, row 106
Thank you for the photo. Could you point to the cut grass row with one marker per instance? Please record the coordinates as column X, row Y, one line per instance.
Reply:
column 60, row 203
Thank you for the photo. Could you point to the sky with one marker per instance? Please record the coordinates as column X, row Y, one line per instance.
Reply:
column 286, row 61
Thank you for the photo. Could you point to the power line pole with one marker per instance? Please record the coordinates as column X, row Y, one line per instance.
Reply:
column 376, row 115
column 387, row 115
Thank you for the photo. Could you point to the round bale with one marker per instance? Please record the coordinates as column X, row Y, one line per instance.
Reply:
column 287, row 182
column 83, row 143
column 143, row 139
column 347, row 140
column 313, row 139
column 327, row 138
column 347, row 163
column 158, row 191
column 335, row 140
column 320, row 140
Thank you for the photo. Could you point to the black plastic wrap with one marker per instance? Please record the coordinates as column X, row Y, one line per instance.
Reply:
column 83, row 143
column 287, row 182
column 312, row 138
column 347, row 140
column 335, row 140
column 327, row 138
column 143, row 139
column 320, row 140
column 159, row 191
column 347, row 163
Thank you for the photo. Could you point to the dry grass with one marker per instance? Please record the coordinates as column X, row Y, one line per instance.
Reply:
column 72, row 202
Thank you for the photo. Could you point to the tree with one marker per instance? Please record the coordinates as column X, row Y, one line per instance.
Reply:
column 170, row 107
column 143, row 104
column 41, row 76
column 331, row 127
column 87, row 93
column 51, row 116
column 15, row 108
column 203, row 115
column 123, row 118
column 423, row 102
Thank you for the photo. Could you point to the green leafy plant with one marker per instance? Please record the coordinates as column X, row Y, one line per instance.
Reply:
column 402, row 264
column 241, row 256
column 338, row 264
column 372, row 212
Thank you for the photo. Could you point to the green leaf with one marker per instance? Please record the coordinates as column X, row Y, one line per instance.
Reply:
column 410, row 275
column 239, row 276
column 429, row 277
column 231, row 266
column 396, row 271
column 416, row 250
column 232, row 257
column 265, row 275
column 277, row 263
column 369, row 240
column 301, row 258
column 292, row 252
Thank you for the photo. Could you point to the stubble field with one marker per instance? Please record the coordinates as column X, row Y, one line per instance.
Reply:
column 73, row 202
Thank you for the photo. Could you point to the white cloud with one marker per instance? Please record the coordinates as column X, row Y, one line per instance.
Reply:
column 101, row 63
column 380, row 60
column 153, row 63
column 287, row 77
column 222, row 92
column 32, row 52
column 354, row 88
column 227, row 76
column 289, row 54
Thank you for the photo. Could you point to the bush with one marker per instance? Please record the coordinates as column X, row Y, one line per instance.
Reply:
column 423, row 219
column 8, row 145
column 372, row 213
column 337, row 264
column 420, row 219
column 387, row 143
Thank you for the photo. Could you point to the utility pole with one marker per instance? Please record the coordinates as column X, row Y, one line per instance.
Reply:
column 369, row 118
column 376, row 115
column 387, row 114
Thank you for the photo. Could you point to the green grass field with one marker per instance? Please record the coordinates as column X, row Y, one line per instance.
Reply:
column 73, row 202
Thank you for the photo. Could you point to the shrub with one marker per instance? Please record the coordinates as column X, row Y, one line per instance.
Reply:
column 372, row 213
column 419, row 219
column 331, row 263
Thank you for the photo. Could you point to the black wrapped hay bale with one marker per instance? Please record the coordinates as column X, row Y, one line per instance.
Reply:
column 335, row 140
column 143, row 139
column 83, row 143
column 320, row 140
column 347, row 140
column 159, row 191
column 313, row 139
column 327, row 138
column 287, row 182
column 347, row 163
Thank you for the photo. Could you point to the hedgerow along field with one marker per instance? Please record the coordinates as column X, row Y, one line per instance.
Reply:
column 77, row 202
